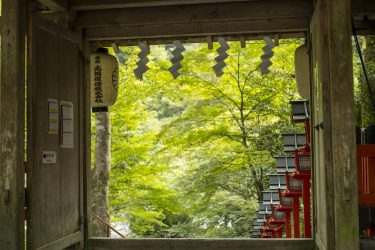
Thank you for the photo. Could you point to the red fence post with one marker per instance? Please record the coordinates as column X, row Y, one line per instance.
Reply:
column 296, row 226
column 306, row 208
column 288, row 226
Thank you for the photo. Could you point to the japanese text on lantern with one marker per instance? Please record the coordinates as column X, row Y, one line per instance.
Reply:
column 98, row 88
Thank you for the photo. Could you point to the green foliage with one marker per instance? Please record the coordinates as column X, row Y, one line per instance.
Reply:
column 191, row 156
column 365, row 113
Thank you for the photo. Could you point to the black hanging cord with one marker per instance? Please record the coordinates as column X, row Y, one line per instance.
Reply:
column 363, row 64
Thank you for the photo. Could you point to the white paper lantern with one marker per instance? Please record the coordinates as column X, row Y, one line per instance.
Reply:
column 104, row 80
column 302, row 65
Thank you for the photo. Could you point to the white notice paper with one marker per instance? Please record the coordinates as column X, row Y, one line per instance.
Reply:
column 53, row 117
column 66, row 125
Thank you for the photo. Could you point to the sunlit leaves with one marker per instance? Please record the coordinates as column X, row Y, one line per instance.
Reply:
column 190, row 155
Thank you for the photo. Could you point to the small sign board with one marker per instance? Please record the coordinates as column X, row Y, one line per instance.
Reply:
column 49, row 157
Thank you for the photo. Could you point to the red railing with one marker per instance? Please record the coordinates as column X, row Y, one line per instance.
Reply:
column 108, row 226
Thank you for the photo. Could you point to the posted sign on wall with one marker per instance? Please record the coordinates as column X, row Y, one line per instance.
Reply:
column 66, row 125
column 53, row 116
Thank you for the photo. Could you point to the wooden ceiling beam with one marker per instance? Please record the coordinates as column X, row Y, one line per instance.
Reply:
column 170, row 31
column 197, row 39
column 363, row 8
column 271, row 16
column 112, row 4
column 56, row 5
column 245, row 18
column 190, row 14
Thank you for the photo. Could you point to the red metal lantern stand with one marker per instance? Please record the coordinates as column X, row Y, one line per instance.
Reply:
column 305, row 176
column 295, row 194
column 288, row 210
column 366, row 179
column 279, row 222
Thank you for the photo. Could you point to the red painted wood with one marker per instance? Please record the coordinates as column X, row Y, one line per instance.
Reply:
column 306, row 208
column 366, row 174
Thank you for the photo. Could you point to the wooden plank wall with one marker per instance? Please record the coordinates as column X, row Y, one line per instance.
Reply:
column 336, row 201
column 12, row 86
column 55, row 202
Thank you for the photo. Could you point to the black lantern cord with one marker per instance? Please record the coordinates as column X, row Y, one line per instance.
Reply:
column 363, row 64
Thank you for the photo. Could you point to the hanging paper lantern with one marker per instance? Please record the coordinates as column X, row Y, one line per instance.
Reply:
column 302, row 65
column 104, row 80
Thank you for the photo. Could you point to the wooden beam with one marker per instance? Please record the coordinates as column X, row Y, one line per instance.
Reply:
column 358, row 5
column 197, row 20
column 112, row 4
column 254, row 17
column 207, row 12
column 197, row 39
column 363, row 7
column 197, row 244
column 63, row 243
column 12, row 124
column 170, row 31
column 56, row 5
column 191, row 14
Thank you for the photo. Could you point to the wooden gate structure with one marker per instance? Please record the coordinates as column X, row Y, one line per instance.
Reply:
column 54, row 38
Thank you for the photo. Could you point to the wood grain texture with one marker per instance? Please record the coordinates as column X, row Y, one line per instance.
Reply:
column 54, row 188
column 63, row 243
column 111, row 4
column 202, row 13
column 86, row 139
column 187, row 244
column 335, row 173
column 359, row 6
column 289, row 17
column 12, row 126
column 170, row 31
column 56, row 5
column 196, row 20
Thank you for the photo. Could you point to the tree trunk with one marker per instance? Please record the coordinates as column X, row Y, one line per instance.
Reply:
column 100, row 177
column 258, row 177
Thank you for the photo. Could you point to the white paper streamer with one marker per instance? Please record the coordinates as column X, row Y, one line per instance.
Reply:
column 143, row 60
column 268, row 54
column 176, row 59
column 220, row 59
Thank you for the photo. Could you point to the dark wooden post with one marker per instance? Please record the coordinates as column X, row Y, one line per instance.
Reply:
column 12, row 129
column 87, row 201
column 335, row 173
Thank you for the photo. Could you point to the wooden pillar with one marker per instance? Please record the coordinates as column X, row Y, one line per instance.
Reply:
column 87, row 203
column 85, row 126
column 335, row 174
column 12, row 129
